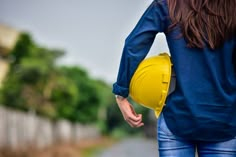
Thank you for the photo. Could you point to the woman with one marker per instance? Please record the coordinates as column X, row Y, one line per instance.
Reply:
column 201, row 112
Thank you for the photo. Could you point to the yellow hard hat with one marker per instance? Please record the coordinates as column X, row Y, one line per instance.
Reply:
column 150, row 83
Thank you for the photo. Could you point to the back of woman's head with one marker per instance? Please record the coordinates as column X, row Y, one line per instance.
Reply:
column 204, row 22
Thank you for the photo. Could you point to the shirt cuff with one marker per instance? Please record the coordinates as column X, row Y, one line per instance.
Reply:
column 119, row 90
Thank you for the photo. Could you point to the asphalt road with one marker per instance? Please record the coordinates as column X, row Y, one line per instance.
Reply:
column 134, row 147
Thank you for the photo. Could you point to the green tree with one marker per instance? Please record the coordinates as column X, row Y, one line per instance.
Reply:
column 34, row 80
column 88, row 105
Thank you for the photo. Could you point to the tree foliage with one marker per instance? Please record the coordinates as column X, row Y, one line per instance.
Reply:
column 36, row 83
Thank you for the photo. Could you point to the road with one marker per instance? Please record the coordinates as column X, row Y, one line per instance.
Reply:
column 136, row 147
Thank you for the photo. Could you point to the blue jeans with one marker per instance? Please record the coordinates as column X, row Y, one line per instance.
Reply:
column 173, row 146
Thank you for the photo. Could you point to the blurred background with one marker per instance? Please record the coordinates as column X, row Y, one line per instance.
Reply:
column 58, row 61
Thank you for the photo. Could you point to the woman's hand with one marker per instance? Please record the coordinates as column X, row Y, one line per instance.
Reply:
column 127, row 110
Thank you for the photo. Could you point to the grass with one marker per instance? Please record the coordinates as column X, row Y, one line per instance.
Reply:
column 85, row 148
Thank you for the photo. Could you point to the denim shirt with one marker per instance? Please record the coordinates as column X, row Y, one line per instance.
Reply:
column 204, row 99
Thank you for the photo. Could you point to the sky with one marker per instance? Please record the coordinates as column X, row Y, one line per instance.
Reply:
column 92, row 33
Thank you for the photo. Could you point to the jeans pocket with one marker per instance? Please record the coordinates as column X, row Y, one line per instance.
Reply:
column 162, row 127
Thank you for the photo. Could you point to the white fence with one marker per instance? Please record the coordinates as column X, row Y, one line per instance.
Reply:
column 18, row 129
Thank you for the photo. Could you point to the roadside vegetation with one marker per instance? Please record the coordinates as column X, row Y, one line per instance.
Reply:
column 38, row 83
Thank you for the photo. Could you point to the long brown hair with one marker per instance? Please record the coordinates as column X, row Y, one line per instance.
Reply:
column 204, row 21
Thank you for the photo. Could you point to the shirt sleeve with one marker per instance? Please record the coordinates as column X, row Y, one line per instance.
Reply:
column 137, row 46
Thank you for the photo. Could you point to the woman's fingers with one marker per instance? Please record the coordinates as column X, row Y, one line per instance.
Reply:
column 135, row 121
